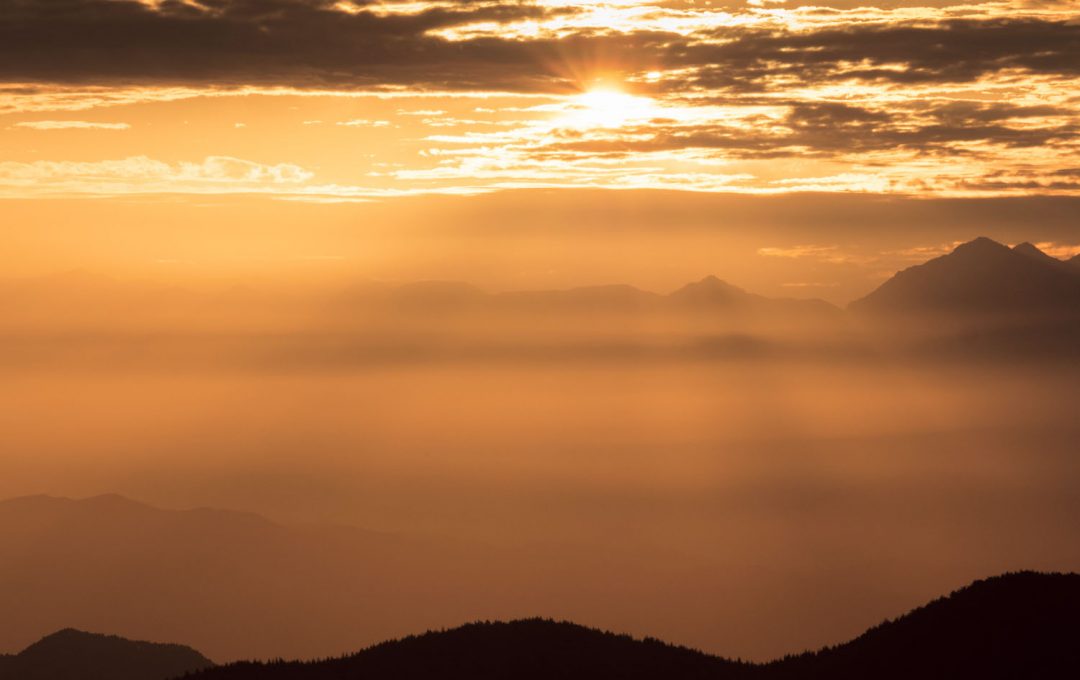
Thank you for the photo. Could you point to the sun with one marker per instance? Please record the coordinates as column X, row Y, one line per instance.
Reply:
column 607, row 107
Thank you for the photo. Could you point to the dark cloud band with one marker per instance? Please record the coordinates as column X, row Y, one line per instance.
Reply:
column 309, row 43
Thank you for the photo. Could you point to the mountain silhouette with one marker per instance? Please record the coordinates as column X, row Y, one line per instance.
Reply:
column 713, row 292
column 522, row 649
column 1013, row 626
column 1031, row 250
column 238, row 585
column 712, row 295
column 708, row 297
column 1020, row 625
column 978, row 278
column 74, row 655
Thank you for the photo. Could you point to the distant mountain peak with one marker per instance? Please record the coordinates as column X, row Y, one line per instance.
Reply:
column 713, row 281
column 980, row 247
column 980, row 277
column 1029, row 249
column 711, row 289
column 981, row 242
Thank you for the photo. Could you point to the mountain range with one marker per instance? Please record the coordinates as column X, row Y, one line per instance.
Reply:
column 707, row 298
column 1018, row 625
column 978, row 278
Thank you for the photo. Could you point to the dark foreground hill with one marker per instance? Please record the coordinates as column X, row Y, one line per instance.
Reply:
column 523, row 650
column 75, row 655
column 1023, row 625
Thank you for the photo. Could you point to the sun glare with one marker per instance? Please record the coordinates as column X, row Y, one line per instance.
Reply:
column 607, row 107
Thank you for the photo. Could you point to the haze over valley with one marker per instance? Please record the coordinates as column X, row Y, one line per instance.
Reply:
column 709, row 466
column 395, row 339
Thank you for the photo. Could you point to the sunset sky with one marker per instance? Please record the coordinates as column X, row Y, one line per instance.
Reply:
column 532, row 308
column 166, row 104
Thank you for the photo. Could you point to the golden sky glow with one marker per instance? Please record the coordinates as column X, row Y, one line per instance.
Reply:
column 761, row 97
column 430, row 122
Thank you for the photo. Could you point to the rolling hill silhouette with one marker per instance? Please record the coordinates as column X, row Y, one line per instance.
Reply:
column 1020, row 625
column 525, row 649
column 74, row 655
column 1013, row 626
column 980, row 277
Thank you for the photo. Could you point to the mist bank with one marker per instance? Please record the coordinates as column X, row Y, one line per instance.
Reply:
column 691, row 500
column 838, row 245
column 983, row 298
column 675, row 466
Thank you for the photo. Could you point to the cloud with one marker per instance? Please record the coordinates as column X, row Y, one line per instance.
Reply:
column 308, row 43
column 70, row 125
column 829, row 129
column 363, row 122
column 829, row 254
column 1062, row 251
column 796, row 252
column 140, row 174
column 897, row 96
column 514, row 45
column 923, row 253
column 945, row 51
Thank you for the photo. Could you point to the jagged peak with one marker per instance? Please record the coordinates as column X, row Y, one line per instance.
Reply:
column 1029, row 249
column 981, row 244
column 711, row 283
column 713, row 280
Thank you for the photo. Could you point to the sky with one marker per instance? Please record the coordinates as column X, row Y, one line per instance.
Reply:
column 217, row 102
